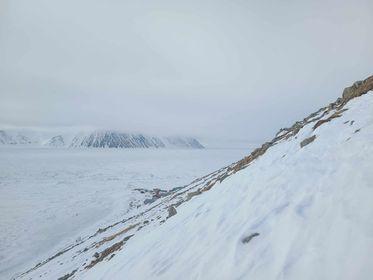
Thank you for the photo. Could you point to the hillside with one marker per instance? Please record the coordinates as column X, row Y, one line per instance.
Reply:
column 298, row 207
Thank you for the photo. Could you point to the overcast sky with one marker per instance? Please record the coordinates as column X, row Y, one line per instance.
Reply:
column 212, row 69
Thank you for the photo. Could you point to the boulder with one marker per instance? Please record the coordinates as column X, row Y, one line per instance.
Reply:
column 171, row 211
column 307, row 141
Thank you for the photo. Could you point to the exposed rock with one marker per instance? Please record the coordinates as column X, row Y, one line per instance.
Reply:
column 101, row 256
column 307, row 141
column 358, row 88
column 156, row 193
column 335, row 115
column 247, row 239
column 194, row 193
column 67, row 276
column 113, row 236
column 171, row 211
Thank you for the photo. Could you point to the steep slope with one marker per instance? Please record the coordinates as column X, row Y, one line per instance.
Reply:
column 299, row 207
column 116, row 139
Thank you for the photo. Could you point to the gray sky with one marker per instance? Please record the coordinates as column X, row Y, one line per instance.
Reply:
column 214, row 69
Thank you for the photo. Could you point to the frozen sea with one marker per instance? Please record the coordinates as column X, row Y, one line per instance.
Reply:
column 49, row 197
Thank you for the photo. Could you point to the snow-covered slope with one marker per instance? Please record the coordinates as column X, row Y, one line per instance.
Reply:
column 298, row 207
column 116, row 139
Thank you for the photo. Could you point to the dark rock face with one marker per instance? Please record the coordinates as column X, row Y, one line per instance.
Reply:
column 307, row 141
column 358, row 88
column 112, row 139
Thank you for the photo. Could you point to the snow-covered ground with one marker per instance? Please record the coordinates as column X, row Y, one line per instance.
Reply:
column 49, row 197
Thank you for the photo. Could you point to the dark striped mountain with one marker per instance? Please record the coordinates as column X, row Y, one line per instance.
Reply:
column 116, row 139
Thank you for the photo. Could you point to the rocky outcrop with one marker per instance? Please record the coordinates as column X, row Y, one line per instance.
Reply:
column 333, row 116
column 358, row 88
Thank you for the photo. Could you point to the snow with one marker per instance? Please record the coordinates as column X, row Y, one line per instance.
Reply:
column 311, row 206
column 50, row 197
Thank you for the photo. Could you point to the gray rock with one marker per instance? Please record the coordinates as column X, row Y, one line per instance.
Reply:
column 171, row 211
column 247, row 239
column 307, row 141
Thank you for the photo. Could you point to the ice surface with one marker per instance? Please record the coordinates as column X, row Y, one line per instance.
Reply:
column 50, row 197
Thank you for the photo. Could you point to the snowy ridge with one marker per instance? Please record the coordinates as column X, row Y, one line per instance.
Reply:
column 298, row 207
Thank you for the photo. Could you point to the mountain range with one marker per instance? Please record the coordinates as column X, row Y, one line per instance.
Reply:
column 97, row 139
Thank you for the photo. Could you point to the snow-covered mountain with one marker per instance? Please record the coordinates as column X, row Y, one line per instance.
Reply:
column 115, row 139
column 56, row 141
column 15, row 138
column 182, row 142
column 298, row 207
